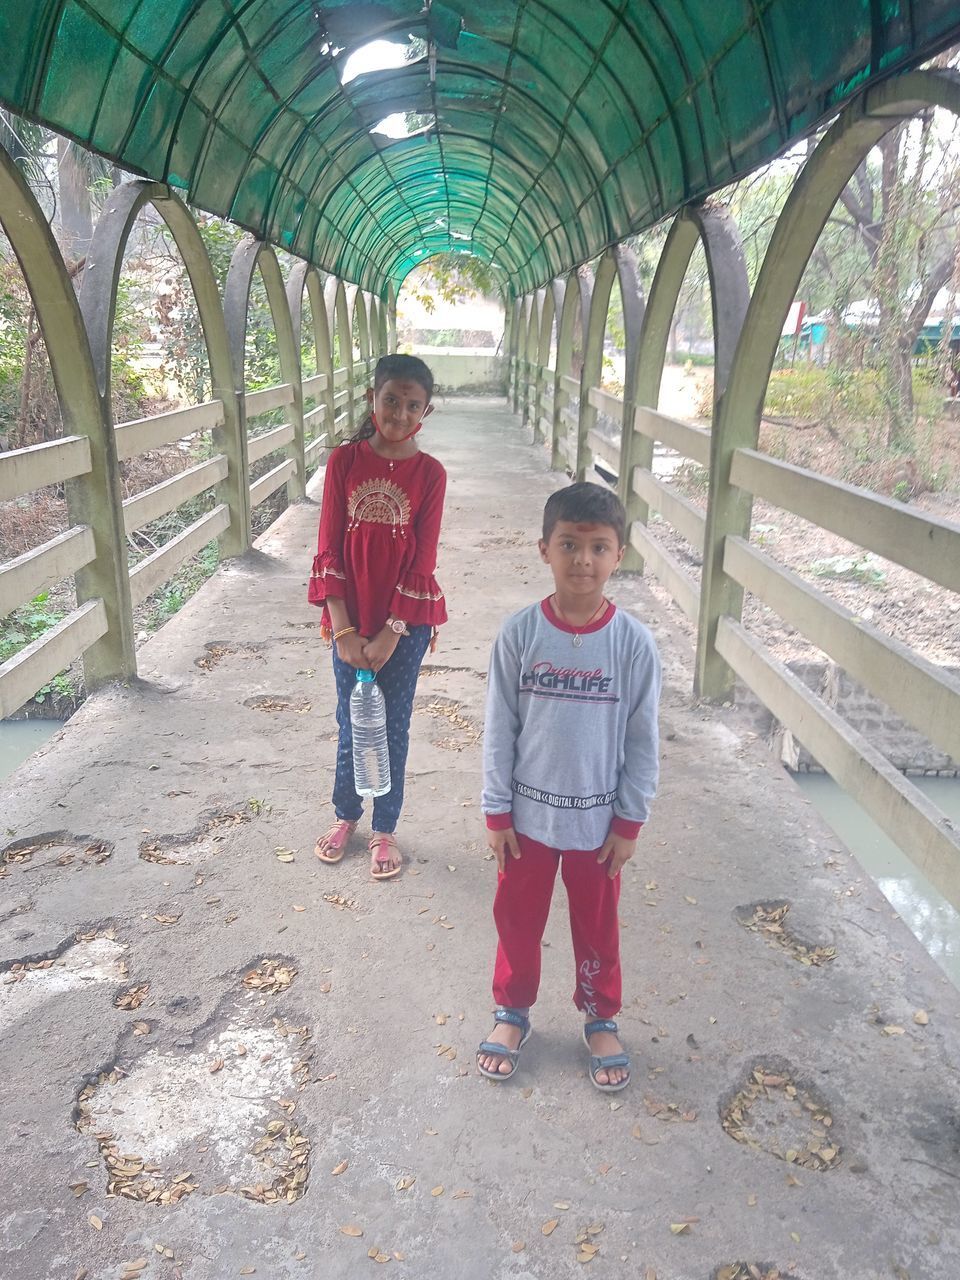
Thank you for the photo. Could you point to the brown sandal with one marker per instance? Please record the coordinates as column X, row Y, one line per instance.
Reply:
column 384, row 849
column 332, row 845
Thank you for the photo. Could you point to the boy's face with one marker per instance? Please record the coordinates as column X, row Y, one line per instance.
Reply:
column 582, row 556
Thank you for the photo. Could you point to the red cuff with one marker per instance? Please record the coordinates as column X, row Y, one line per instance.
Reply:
column 499, row 821
column 625, row 828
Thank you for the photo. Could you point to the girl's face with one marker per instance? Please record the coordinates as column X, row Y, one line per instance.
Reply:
column 400, row 406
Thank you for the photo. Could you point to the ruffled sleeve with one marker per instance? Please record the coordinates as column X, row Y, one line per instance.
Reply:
column 418, row 598
column 328, row 577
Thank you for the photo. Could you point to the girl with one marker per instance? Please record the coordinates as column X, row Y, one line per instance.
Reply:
column 373, row 574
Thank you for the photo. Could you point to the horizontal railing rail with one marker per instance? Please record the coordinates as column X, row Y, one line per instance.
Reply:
column 141, row 434
column 37, row 466
column 918, row 541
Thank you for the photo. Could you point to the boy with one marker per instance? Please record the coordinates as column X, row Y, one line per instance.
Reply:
column 570, row 767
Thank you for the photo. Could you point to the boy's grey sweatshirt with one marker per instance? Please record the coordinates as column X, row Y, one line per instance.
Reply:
column 570, row 740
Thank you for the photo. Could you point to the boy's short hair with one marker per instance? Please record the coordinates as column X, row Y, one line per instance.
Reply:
column 585, row 503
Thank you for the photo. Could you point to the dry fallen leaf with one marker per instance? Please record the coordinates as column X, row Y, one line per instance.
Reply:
column 518, row 1246
column 340, row 1168
column 437, row 1191
column 141, row 1028
column 921, row 1017
column 549, row 1227
column 893, row 1031
column 215, row 1065
column 678, row 1228
column 248, row 1271
column 405, row 1183
column 752, row 1201
column 95, row 1222
column 351, row 1229
column 298, row 908
column 326, row 987
column 78, row 1188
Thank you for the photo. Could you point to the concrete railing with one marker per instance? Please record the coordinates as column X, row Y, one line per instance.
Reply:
column 747, row 329
column 317, row 411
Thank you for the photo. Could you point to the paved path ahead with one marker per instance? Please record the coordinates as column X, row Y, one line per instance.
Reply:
column 271, row 1062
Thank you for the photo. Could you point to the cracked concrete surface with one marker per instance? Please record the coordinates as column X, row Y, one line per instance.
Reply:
column 444, row 1173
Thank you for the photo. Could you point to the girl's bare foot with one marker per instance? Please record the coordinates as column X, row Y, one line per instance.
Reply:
column 385, row 859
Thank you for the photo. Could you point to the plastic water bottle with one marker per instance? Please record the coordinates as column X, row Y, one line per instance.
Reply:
column 368, row 722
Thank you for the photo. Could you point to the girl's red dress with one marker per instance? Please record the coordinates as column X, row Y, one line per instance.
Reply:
column 377, row 548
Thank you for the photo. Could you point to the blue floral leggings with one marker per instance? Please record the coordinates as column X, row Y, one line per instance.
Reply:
column 397, row 679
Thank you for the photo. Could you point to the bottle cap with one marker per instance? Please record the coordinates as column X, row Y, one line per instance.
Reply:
column 365, row 676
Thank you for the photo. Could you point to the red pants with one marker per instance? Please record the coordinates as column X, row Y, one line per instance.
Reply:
column 521, row 908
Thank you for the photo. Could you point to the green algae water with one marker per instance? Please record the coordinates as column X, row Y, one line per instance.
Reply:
column 20, row 738
column 931, row 918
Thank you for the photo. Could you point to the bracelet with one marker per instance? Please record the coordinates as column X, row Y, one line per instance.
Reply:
column 344, row 631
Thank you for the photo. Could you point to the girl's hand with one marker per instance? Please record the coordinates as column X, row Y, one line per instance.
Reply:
column 501, row 843
column 378, row 651
column 350, row 649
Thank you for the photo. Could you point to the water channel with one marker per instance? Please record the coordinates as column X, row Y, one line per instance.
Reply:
column 932, row 919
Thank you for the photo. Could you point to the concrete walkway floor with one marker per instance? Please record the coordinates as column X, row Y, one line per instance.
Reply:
column 271, row 1062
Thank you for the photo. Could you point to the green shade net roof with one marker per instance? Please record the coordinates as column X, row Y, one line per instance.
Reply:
column 553, row 127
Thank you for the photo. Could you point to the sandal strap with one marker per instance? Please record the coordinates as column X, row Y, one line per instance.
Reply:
column 610, row 1060
column 512, row 1018
column 600, row 1024
column 499, row 1050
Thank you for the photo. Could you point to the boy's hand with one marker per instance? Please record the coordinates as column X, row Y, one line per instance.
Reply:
column 502, row 842
column 619, row 850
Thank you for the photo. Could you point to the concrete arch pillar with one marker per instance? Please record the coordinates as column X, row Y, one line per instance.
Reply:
column 249, row 255
column 717, row 230
column 93, row 499
column 338, row 321
column 737, row 419
column 617, row 263
column 575, row 307
column 302, row 278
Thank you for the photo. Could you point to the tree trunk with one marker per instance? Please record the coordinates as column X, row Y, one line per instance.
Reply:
column 76, row 211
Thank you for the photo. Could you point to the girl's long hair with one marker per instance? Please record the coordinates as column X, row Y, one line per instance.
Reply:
column 403, row 368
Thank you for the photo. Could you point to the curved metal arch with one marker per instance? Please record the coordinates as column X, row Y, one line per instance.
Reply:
column 372, row 201
column 737, row 420
column 95, row 499
column 384, row 196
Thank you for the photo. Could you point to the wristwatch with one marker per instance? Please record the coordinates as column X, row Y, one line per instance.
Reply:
column 398, row 626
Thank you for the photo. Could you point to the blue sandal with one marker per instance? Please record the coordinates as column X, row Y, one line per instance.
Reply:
column 611, row 1060
column 514, row 1019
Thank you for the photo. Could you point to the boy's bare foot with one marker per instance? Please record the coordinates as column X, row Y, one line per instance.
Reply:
column 510, row 1038
column 609, row 1063
column 511, row 1031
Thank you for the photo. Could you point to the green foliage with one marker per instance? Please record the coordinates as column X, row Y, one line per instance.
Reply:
column 26, row 624
column 862, row 568
column 170, row 599
column 839, row 395
column 453, row 277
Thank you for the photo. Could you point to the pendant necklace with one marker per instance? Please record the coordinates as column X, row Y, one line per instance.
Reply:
column 577, row 638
